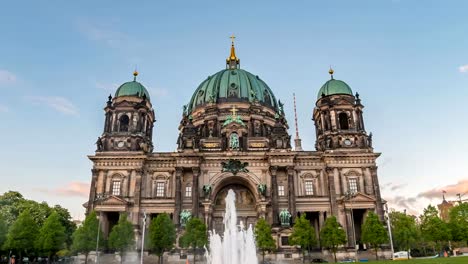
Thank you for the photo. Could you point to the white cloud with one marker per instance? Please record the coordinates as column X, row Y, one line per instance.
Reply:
column 4, row 108
column 463, row 68
column 78, row 189
column 104, row 33
column 110, row 87
column 158, row 92
column 58, row 103
column 7, row 77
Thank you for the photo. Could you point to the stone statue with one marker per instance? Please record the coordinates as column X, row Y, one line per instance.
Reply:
column 100, row 145
column 262, row 189
column 234, row 141
column 185, row 217
column 184, row 110
column 285, row 217
column 369, row 140
column 207, row 190
column 281, row 108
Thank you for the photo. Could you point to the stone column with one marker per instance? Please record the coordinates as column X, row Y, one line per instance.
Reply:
column 291, row 193
column 195, row 194
column 349, row 227
column 332, row 191
column 378, row 198
column 178, row 194
column 274, row 195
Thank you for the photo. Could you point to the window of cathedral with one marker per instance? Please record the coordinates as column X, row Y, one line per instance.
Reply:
column 352, row 185
column 188, row 191
column 159, row 189
column 280, row 190
column 343, row 119
column 124, row 121
column 116, row 187
column 285, row 241
column 309, row 187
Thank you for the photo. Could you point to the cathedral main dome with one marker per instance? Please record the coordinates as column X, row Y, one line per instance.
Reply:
column 232, row 85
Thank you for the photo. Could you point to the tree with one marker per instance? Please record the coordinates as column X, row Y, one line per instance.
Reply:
column 67, row 222
column 85, row 237
column 458, row 222
column 195, row 235
column 162, row 235
column 121, row 237
column 373, row 232
column 433, row 228
column 9, row 206
column 3, row 232
column 303, row 235
column 263, row 237
column 332, row 235
column 22, row 235
column 404, row 230
column 51, row 236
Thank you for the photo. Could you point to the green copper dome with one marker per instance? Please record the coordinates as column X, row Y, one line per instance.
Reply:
column 132, row 88
column 334, row 87
column 232, row 85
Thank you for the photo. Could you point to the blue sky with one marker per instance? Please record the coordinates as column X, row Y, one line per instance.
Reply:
column 59, row 60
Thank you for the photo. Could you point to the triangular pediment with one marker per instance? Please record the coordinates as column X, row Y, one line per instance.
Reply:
column 360, row 197
column 113, row 200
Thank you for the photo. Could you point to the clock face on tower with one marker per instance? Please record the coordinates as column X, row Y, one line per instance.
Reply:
column 347, row 142
column 120, row 144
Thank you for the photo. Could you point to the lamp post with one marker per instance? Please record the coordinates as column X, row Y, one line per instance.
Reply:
column 389, row 226
column 349, row 196
column 143, row 237
column 97, row 239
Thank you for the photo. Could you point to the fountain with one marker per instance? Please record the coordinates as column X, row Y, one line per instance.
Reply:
column 237, row 245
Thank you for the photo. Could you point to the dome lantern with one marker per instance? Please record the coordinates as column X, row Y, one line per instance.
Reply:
column 232, row 62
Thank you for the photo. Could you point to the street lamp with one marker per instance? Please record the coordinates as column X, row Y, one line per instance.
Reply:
column 97, row 239
column 389, row 226
column 349, row 196
column 143, row 237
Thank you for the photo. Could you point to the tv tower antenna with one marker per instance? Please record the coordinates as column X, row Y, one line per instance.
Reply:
column 297, row 140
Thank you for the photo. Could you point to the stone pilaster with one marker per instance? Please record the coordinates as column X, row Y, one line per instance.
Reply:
column 178, row 195
column 274, row 195
column 195, row 192
column 291, row 193
column 378, row 198
column 332, row 191
column 92, row 190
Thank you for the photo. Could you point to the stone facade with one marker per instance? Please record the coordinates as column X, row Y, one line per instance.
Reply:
column 241, row 144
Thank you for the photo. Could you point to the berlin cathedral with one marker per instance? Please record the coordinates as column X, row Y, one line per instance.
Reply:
column 233, row 134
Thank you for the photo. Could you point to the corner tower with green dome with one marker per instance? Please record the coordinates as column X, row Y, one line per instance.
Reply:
column 129, row 120
column 338, row 118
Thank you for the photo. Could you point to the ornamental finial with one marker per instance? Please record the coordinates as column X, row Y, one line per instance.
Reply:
column 331, row 71
column 135, row 74
column 232, row 61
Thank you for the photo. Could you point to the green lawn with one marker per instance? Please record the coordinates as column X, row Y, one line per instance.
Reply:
column 453, row 260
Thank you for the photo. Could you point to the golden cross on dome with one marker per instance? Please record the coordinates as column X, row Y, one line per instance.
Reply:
column 232, row 37
column 234, row 111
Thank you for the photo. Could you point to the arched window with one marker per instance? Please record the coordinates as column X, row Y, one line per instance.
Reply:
column 343, row 118
column 124, row 120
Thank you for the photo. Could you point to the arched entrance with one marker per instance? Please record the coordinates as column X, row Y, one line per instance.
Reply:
column 245, row 205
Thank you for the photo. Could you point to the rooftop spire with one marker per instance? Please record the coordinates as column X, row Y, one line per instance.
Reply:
column 331, row 71
column 232, row 62
column 297, row 140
